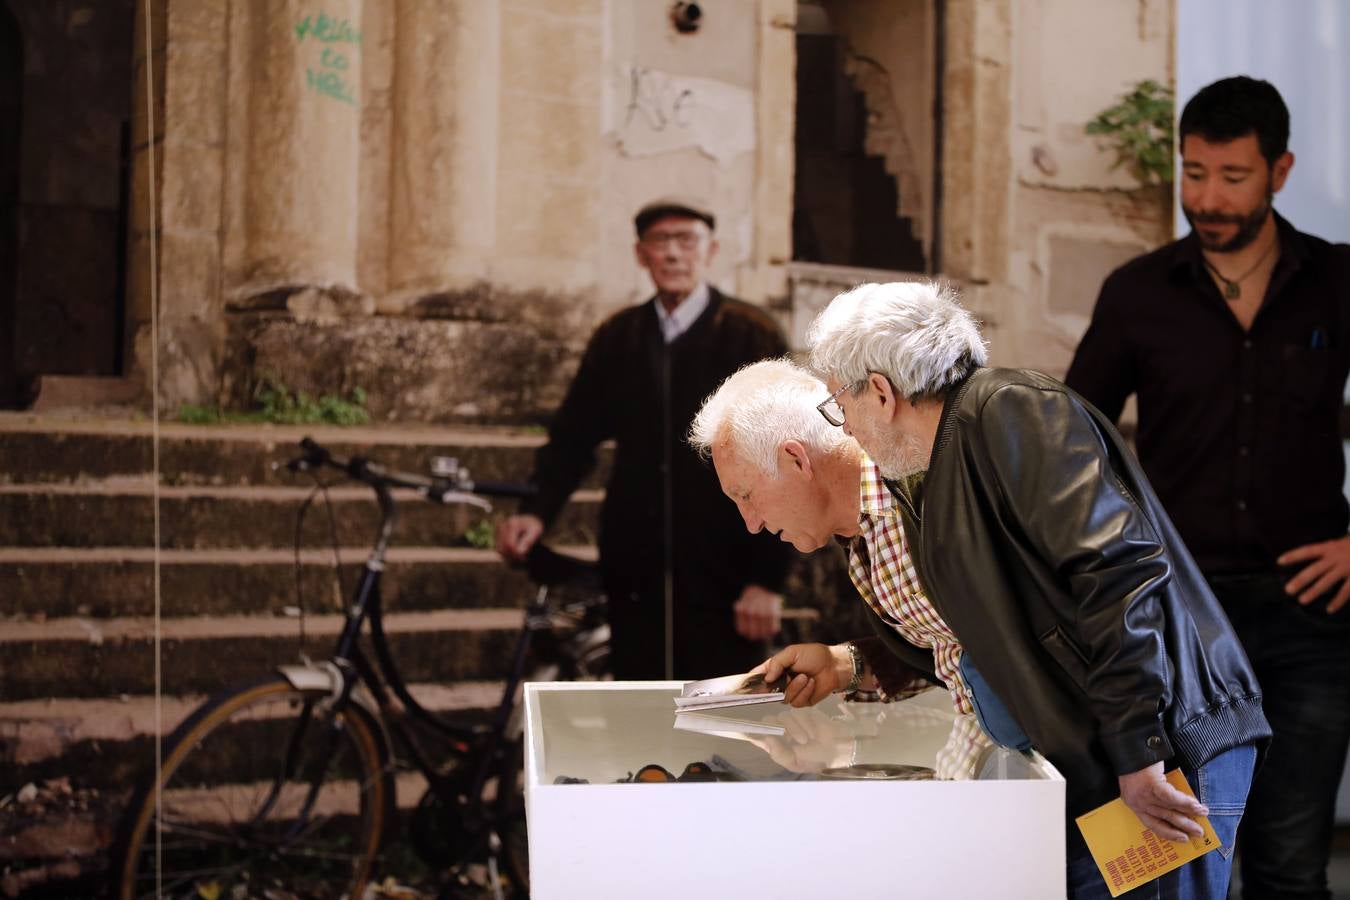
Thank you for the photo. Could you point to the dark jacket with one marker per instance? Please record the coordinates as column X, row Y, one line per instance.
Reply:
column 634, row 389
column 1040, row 542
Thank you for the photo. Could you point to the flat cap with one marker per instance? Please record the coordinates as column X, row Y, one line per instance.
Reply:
column 672, row 206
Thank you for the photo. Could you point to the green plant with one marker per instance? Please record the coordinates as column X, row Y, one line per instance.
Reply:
column 480, row 535
column 280, row 405
column 197, row 414
column 1139, row 129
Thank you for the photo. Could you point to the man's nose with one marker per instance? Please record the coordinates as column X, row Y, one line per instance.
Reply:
column 1211, row 196
column 753, row 523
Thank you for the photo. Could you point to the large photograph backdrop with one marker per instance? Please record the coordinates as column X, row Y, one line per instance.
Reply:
column 1301, row 49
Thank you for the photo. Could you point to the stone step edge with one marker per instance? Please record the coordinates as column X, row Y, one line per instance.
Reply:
column 74, row 844
column 205, row 628
column 464, row 436
column 40, row 730
column 144, row 487
column 269, row 556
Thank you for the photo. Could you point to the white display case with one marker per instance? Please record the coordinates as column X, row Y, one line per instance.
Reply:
column 854, row 800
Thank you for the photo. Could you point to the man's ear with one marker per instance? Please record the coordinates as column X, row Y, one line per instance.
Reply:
column 1279, row 171
column 886, row 397
column 793, row 453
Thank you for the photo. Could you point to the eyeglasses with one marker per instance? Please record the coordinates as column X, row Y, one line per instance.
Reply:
column 830, row 408
column 685, row 240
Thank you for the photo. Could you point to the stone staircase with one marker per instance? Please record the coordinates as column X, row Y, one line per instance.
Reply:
column 82, row 624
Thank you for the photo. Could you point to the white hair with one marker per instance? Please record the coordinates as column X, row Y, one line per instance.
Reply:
column 915, row 333
column 759, row 407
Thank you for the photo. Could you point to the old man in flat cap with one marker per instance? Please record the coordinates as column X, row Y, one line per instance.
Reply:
column 691, row 593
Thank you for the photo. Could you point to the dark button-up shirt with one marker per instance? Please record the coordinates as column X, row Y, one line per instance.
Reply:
column 1239, row 431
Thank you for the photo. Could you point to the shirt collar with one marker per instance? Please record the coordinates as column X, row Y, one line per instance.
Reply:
column 676, row 323
column 1186, row 258
column 874, row 498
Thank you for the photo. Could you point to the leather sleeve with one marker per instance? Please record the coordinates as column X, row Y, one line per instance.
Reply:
column 1067, row 507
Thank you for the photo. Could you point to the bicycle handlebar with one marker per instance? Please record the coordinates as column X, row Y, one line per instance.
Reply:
column 457, row 489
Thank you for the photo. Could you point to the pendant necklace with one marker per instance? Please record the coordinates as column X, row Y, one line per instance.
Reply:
column 1232, row 288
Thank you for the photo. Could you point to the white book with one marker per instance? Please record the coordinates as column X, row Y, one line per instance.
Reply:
column 729, row 690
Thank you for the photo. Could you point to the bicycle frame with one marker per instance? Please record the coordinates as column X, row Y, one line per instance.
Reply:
column 382, row 678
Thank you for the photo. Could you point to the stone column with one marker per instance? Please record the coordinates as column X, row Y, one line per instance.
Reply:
column 976, row 126
column 443, row 184
column 303, row 105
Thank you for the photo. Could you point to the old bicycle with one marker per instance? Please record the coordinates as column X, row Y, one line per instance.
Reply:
column 285, row 787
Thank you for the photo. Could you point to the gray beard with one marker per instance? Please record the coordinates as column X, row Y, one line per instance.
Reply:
column 908, row 457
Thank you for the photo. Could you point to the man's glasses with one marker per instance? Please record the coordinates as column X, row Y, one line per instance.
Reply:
column 685, row 240
column 830, row 408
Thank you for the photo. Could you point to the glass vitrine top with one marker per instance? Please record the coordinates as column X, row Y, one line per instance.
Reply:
column 602, row 734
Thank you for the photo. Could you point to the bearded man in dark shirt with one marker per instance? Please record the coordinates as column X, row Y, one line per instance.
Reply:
column 1236, row 341
column 691, row 594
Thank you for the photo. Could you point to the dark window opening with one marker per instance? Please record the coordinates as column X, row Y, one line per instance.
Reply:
column 67, row 293
column 844, row 203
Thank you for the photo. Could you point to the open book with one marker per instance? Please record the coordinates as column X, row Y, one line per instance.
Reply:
column 730, row 690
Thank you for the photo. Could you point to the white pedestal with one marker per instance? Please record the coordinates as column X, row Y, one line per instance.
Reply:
column 784, row 829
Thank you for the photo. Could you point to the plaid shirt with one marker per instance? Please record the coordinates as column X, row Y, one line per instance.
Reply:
column 882, row 570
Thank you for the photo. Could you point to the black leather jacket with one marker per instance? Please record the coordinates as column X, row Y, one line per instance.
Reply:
column 1042, row 545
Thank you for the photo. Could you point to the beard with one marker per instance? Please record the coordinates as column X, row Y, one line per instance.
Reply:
column 1248, row 226
column 901, row 460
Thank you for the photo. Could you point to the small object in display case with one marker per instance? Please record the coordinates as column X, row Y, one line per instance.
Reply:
column 654, row 808
column 878, row 772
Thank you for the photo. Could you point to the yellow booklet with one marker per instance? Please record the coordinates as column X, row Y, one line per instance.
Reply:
column 1129, row 853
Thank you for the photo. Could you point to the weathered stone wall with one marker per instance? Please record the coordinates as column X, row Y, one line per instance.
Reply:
column 1034, row 215
column 326, row 169
column 345, row 181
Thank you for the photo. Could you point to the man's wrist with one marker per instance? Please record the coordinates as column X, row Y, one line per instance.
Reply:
column 848, row 666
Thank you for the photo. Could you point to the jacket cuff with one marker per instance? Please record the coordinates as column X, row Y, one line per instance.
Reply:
column 1138, row 748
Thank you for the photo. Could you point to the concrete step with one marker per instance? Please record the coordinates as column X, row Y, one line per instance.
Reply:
column 80, row 657
column 82, row 757
column 44, row 449
column 109, row 582
column 107, row 743
column 121, row 513
column 57, row 846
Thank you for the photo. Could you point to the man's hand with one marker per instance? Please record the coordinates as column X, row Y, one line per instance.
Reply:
column 1328, row 564
column 811, row 741
column 517, row 534
column 758, row 613
column 821, row 670
column 1170, row 813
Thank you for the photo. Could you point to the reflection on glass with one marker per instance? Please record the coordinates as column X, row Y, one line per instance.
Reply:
column 607, row 736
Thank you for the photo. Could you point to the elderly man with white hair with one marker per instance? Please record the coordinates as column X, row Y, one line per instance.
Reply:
column 1028, row 534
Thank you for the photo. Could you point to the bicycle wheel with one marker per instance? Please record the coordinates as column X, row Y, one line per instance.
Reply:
column 263, row 792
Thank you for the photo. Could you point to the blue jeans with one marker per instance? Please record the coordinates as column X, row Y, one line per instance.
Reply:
column 1221, row 784
column 1302, row 660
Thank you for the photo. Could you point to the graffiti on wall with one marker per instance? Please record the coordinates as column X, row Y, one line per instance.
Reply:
column 658, row 100
column 336, row 42
column 662, row 112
